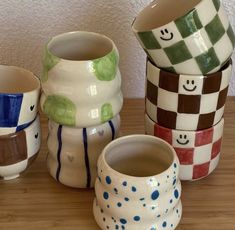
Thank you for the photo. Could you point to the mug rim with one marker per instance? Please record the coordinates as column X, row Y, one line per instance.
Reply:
column 50, row 42
column 119, row 140
column 217, row 125
column 167, row 23
column 228, row 64
column 33, row 77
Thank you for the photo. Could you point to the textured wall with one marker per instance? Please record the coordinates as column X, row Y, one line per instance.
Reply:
column 25, row 26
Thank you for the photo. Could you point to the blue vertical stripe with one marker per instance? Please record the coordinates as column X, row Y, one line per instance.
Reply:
column 85, row 143
column 112, row 129
column 59, row 133
column 10, row 106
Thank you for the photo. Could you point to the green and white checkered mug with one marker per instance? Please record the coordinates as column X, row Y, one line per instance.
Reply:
column 186, row 37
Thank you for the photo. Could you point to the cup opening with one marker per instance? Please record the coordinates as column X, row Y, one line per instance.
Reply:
column 161, row 12
column 139, row 156
column 80, row 46
column 17, row 80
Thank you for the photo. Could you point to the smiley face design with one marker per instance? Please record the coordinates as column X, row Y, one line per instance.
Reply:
column 190, row 86
column 166, row 35
column 182, row 140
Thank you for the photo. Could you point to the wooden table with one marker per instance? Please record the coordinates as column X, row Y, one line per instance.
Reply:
column 36, row 201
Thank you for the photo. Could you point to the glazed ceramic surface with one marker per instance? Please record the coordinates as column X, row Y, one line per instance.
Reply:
column 73, row 152
column 198, row 151
column 18, row 150
column 138, row 185
column 186, row 37
column 19, row 94
column 186, row 102
column 81, row 82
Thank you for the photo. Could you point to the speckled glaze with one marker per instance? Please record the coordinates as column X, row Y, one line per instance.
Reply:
column 19, row 95
column 81, row 82
column 138, row 185
column 73, row 152
column 18, row 150
column 186, row 102
column 186, row 37
column 198, row 151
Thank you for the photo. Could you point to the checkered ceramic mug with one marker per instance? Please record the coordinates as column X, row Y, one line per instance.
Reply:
column 19, row 150
column 19, row 95
column 186, row 37
column 186, row 102
column 198, row 151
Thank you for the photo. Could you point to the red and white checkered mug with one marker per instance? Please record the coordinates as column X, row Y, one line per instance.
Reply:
column 198, row 151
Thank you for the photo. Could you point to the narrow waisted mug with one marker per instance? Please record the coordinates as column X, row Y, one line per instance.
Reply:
column 19, row 95
column 81, row 82
column 138, row 185
column 73, row 152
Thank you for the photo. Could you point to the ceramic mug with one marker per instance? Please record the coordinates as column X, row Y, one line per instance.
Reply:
column 138, row 185
column 81, row 82
column 73, row 152
column 198, row 151
column 19, row 150
column 186, row 102
column 19, row 95
column 186, row 37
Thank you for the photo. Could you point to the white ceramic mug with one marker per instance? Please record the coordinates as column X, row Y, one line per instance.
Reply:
column 73, row 152
column 81, row 82
column 138, row 185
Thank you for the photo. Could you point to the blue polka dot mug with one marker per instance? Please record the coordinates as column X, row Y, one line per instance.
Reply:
column 138, row 185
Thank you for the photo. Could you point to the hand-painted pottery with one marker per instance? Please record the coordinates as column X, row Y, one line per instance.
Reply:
column 19, row 94
column 18, row 150
column 198, row 151
column 138, row 185
column 186, row 37
column 73, row 152
column 81, row 81
column 186, row 102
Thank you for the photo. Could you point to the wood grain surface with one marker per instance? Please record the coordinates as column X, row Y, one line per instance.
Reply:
column 37, row 201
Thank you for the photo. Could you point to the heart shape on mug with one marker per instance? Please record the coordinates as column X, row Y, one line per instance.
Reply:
column 101, row 133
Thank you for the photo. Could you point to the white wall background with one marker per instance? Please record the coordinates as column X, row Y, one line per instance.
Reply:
column 26, row 25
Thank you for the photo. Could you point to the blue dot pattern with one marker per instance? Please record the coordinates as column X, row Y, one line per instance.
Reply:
column 136, row 218
column 155, row 195
column 123, row 221
column 126, row 186
column 133, row 189
column 176, row 193
column 119, row 204
column 108, row 180
column 106, row 196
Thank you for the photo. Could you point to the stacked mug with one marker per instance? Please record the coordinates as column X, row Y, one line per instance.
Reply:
column 20, row 134
column 82, row 98
column 189, row 46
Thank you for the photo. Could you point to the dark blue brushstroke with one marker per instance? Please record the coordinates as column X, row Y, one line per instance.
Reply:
column 85, row 143
column 59, row 139
column 113, row 129
column 10, row 106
